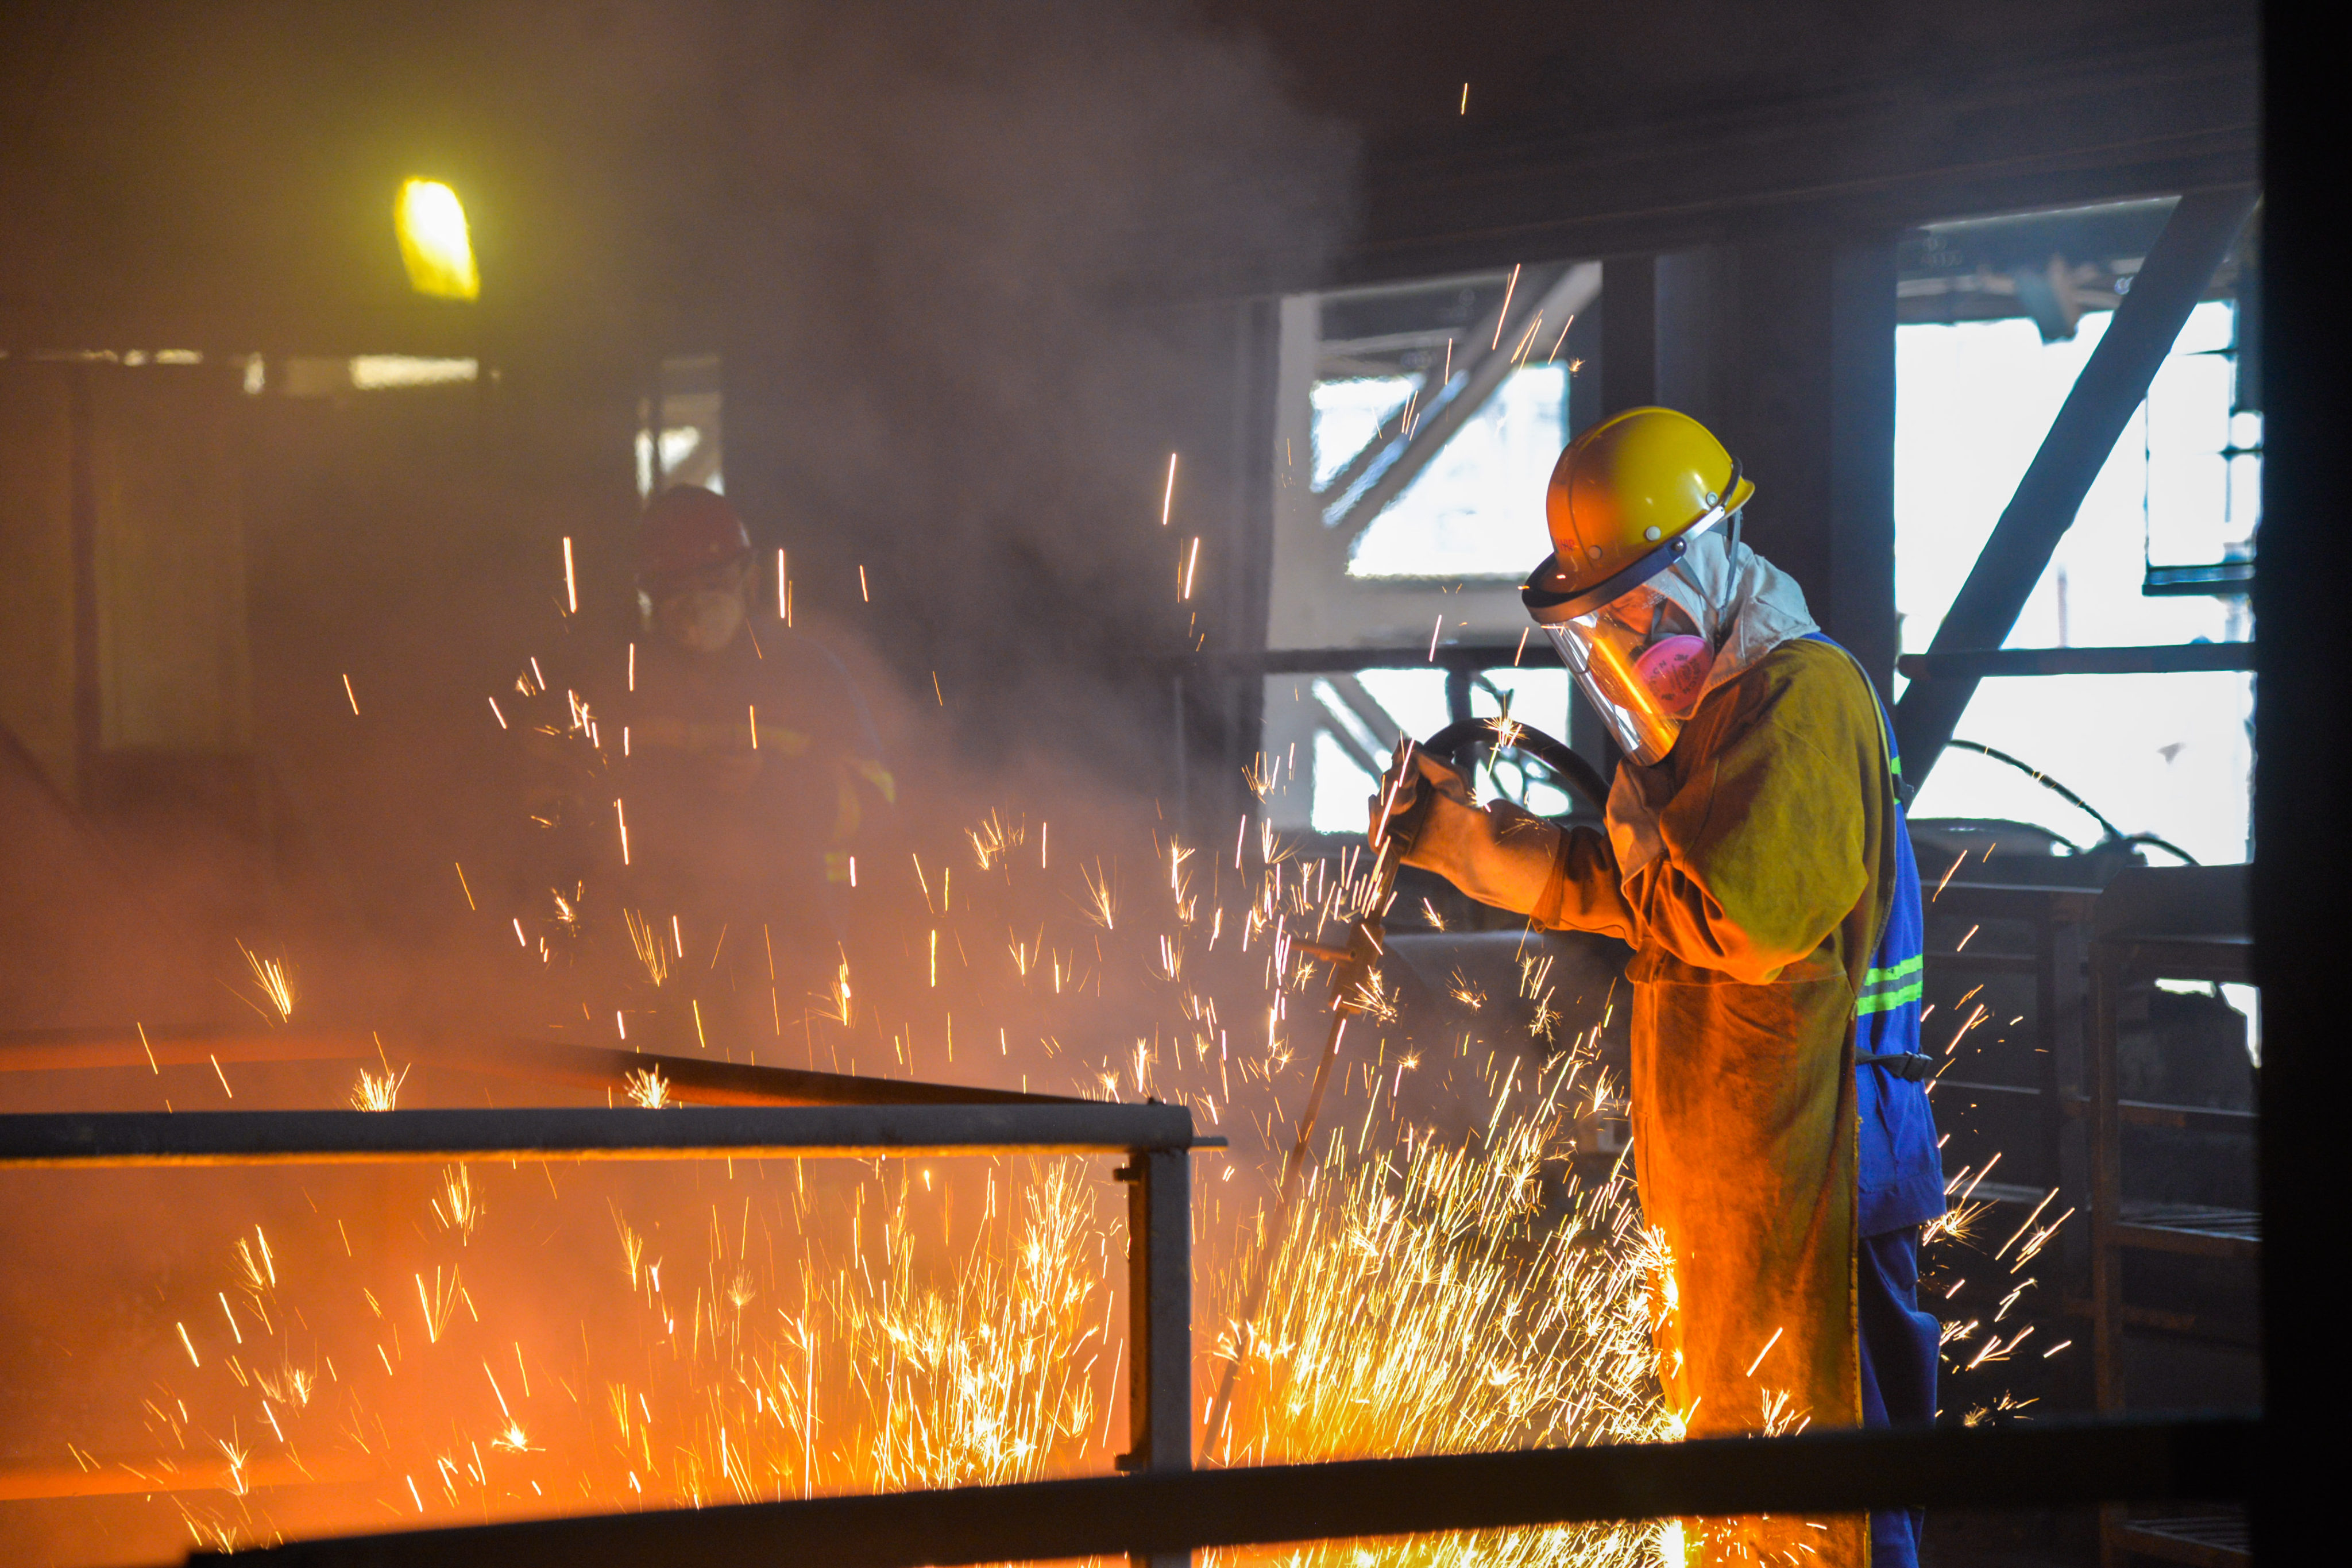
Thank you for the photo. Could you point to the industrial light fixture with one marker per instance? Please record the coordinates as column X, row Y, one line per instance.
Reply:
column 434, row 242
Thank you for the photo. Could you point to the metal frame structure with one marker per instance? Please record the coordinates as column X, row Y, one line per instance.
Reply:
column 769, row 1113
column 1164, row 1517
column 2173, row 923
column 2195, row 240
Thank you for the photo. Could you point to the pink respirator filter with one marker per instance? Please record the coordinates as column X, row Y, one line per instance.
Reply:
column 1673, row 668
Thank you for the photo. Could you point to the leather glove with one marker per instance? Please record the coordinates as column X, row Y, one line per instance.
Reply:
column 1499, row 854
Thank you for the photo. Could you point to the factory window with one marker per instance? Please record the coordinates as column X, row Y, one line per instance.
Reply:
column 1465, row 514
column 1976, row 390
column 1415, row 428
column 677, row 437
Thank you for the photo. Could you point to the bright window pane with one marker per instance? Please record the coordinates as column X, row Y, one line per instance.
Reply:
column 1340, row 788
column 1476, row 511
column 1348, row 414
column 2167, row 754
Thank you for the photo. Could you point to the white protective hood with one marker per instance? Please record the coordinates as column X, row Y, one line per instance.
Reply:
column 1745, row 606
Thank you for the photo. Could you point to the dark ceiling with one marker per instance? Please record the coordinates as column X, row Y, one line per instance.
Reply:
column 220, row 175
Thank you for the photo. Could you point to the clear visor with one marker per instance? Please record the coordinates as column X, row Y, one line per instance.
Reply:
column 1642, row 663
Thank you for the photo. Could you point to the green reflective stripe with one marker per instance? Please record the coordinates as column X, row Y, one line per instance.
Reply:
column 1911, row 965
column 1887, row 1001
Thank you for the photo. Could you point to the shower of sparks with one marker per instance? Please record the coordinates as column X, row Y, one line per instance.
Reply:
column 276, row 982
column 1561, row 339
column 1103, row 906
column 858, row 1326
column 458, row 1208
column 378, row 1091
column 646, row 939
column 1503, row 314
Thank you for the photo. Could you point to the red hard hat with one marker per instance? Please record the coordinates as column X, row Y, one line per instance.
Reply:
column 688, row 528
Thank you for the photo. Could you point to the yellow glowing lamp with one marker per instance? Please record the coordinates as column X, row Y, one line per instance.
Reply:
column 434, row 242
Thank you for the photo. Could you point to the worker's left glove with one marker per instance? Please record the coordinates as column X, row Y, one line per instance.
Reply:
column 1498, row 854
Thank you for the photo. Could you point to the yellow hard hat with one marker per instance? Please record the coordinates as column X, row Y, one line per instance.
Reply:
column 1624, row 501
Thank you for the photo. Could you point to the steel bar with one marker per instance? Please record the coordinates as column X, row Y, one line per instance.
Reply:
column 1536, row 652
column 1160, row 1323
column 692, row 1080
column 2044, row 1465
column 1976, row 664
column 2178, row 265
column 80, row 1140
column 702, row 1082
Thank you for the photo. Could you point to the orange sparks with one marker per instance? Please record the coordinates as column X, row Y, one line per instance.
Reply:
column 1505, row 314
column 1168, row 496
column 783, row 595
column 1191, row 560
column 496, row 715
column 862, row 592
column 1438, row 626
column 352, row 697
column 755, row 724
column 461, row 883
column 570, row 583
column 1561, row 339
column 621, row 818
column 1466, row 98
column 188, row 1344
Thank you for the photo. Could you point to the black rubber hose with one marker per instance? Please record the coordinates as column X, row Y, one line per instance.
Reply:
column 1455, row 742
column 2115, row 834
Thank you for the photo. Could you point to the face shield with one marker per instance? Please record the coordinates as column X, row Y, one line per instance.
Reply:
column 1639, row 656
column 1642, row 663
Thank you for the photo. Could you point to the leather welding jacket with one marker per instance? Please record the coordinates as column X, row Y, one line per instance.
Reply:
column 1768, row 848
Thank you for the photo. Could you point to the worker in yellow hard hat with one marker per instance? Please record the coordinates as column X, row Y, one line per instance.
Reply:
column 1755, row 857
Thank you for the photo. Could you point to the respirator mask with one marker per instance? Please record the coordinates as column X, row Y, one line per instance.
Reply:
column 1638, row 655
column 701, row 619
column 1644, row 665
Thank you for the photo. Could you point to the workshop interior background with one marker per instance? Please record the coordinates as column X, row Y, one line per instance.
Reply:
column 1148, row 407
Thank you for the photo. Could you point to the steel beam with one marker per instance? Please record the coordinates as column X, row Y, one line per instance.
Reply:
column 1160, row 1323
column 1976, row 664
column 692, row 1080
column 2044, row 1465
column 2195, row 240
column 87, row 1141
column 1438, row 419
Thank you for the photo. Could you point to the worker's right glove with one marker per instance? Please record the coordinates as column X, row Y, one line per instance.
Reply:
column 1499, row 854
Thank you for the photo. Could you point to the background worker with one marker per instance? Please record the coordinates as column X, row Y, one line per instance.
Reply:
column 1755, row 857
column 749, row 774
